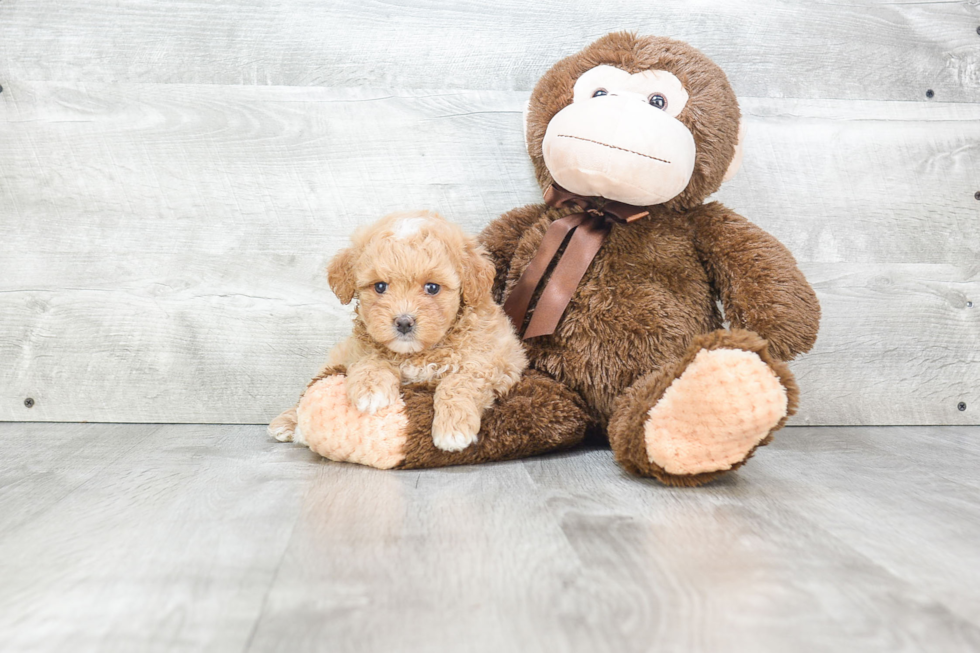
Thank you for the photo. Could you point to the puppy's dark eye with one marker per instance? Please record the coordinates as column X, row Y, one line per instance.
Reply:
column 599, row 92
column 657, row 100
column 380, row 287
column 432, row 289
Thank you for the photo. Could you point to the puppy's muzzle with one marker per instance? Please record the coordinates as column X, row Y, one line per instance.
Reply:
column 405, row 324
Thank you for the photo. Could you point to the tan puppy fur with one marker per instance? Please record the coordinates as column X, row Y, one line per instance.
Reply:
column 419, row 269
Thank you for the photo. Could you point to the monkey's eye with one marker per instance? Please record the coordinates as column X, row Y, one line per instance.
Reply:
column 432, row 288
column 657, row 100
column 599, row 92
column 380, row 287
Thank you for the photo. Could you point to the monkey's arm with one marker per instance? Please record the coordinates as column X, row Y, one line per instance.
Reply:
column 501, row 237
column 760, row 285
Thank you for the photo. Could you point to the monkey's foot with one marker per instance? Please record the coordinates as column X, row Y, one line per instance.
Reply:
column 328, row 423
column 711, row 417
column 703, row 416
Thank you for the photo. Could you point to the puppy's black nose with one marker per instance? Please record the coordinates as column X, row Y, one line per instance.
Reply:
column 404, row 324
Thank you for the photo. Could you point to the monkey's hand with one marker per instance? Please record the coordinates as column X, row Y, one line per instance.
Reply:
column 501, row 237
column 760, row 285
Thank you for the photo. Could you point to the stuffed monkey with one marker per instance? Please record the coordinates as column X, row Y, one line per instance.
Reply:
column 614, row 282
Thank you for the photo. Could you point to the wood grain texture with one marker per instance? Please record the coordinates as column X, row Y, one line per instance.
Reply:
column 858, row 49
column 915, row 471
column 145, row 538
column 164, row 244
column 213, row 538
column 898, row 344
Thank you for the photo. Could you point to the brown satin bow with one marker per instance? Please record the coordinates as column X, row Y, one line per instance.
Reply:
column 591, row 225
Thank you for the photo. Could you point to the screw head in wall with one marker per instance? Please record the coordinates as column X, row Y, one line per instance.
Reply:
column 961, row 406
column 976, row 195
column 29, row 402
column 930, row 93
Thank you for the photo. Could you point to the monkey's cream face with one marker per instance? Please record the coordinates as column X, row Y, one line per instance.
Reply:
column 621, row 139
column 408, row 292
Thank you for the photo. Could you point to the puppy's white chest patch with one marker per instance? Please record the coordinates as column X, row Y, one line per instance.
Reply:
column 412, row 373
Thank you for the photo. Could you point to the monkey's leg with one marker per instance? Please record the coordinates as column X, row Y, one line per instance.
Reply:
column 537, row 415
column 706, row 415
column 283, row 426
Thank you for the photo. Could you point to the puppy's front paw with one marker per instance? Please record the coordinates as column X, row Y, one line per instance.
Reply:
column 372, row 402
column 454, row 427
column 370, row 398
column 452, row 441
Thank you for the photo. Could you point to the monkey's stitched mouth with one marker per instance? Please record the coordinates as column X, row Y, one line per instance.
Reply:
column 614, row 147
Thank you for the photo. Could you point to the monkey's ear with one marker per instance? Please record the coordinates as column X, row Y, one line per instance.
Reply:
column 736, row 162
column 524, row 113
column 340, row 275
column 476, row 276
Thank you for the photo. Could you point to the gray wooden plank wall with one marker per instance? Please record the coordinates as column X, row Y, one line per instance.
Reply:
column 174, row 178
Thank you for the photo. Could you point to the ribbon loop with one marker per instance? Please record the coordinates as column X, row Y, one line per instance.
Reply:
column 589, row 227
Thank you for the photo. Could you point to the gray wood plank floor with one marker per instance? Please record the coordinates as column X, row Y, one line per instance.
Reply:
column 214, row 538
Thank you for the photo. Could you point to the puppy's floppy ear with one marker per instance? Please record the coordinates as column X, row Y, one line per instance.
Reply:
column 340, row 275
column 476, row 275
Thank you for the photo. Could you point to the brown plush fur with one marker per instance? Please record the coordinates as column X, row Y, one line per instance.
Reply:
column 647, row 303
column 652, row 289
column 537, row 415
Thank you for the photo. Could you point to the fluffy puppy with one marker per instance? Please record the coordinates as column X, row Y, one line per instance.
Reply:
column 424, row 314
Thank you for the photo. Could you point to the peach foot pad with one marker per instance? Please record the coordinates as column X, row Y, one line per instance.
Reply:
column 723, row 405
column 333, row 428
